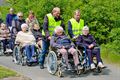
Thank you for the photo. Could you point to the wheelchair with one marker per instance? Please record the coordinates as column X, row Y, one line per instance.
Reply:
column 84, row 60
column 55, row 63
column 2, row 52
column 20, row 57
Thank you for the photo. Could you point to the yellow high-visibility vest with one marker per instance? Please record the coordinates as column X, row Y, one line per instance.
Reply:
column 77, row 26
column 52, row 24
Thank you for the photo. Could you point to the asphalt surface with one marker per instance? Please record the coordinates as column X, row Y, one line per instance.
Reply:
column 1, row 2
column 35, row 73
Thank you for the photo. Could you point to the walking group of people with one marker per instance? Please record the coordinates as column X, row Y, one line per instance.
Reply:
column 29, row 35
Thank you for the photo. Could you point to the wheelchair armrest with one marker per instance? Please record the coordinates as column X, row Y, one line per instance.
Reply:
column 17, row 43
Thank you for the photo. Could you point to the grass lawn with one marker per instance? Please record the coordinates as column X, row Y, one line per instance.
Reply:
column 110, row 57
column 4, row 72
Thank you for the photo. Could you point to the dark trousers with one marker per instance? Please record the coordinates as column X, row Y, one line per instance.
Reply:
column 45, row 48
column 5, row 42
column 96, row 52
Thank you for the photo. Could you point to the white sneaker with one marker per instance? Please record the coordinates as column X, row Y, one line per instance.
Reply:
column 9, row 50
column 100, row 64
column 92, row 66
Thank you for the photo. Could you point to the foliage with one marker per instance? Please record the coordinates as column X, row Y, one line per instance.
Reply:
column 109, row 55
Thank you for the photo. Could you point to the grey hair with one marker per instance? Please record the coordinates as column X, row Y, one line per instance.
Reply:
column 58, row 28
column 85, row 28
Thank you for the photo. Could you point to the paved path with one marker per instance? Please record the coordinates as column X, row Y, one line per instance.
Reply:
column 34, row 72
column 1, row 1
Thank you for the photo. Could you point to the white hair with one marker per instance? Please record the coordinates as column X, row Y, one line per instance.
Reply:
column 24, row 25
column 85, row 28
column 58, row 28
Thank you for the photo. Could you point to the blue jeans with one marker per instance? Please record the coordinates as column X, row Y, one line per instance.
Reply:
column 45, row 48
column 30, row 51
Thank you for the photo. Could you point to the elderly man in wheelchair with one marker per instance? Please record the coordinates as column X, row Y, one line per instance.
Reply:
column 25, row 46
column 63, row 46
column 88, row 42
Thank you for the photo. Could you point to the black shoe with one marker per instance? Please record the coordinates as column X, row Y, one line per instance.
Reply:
column 41, row 66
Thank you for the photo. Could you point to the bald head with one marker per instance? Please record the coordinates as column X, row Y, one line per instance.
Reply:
column 56, row 12
column 56, row 9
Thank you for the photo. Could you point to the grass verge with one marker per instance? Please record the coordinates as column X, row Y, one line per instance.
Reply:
column 4, row 72
column 110, row 57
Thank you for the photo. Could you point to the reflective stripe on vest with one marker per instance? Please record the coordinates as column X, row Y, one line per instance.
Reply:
column 52, row 23
column 77, row 27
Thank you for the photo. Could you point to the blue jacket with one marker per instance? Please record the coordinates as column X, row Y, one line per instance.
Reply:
column 9, row 19
column 60, row 41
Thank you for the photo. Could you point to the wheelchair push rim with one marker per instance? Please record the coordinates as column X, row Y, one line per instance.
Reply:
column 16, row 55
column 52, row 62
column 23, row 59
column 1, row 49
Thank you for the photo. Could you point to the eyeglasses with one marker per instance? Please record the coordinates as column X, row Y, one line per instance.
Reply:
column 20, row 16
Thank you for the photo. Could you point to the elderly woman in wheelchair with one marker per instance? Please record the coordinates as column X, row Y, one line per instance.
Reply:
column 88, row 42
column 5, row 40
column 25, row 48
column 62, row 45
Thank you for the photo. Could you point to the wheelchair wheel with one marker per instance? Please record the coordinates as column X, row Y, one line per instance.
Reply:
column 28, row 63
column 59, row 72
column 52, row 62
column 1, row 49
column 23, row 59
column 17, row 55
column 86, row 65
column 79, row 71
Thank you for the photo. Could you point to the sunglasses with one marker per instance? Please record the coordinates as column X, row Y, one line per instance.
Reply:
column 20, row 16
